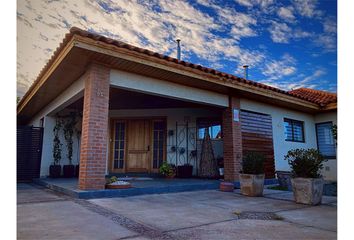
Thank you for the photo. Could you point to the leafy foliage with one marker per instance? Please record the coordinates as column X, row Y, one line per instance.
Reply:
column 334, row 132
column 305, row 163
column 57, row 145
column 167, row 169
column 111, row 180
column 69, row 127
column 253, row 163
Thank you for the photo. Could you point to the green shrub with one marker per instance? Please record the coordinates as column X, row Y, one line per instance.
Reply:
column 305, row 163
column 167, row 169
column 111, row 180
column 253, row 163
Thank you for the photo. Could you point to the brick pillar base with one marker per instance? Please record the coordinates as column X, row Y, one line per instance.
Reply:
column 232, row 142
column 94, row 128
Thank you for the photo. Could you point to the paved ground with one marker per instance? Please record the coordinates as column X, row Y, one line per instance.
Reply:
column 43, row 214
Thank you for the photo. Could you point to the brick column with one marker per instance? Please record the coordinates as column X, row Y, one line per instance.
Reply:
column 94, row 128
column 232, row 141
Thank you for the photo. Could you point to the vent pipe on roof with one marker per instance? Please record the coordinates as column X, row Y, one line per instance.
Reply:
column 178, row 49
column 245, row 67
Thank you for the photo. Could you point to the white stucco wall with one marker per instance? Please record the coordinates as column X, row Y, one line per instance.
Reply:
column 158, row 87
column 179, row 115
column 326, row 117
column 70, row 95
column 281, row 147
column 47, row 149
column 67, row 97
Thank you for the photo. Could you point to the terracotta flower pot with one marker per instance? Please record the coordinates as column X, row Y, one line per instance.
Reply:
column 109, row 186
column 252, row 184
column 307, row 190
column 227, row 187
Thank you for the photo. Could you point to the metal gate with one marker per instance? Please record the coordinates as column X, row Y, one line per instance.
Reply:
column 29, row 152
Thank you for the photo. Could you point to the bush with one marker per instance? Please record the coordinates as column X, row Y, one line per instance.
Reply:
column 167, row 169
column 305, row 163
column 253, row 163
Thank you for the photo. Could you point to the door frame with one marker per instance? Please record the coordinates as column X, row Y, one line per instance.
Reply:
column 113, row 120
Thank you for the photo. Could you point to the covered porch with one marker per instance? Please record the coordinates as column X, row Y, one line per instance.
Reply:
column 131, row 124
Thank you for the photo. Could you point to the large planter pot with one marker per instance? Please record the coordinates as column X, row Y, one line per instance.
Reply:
column 252, row 184
column 185, row 171
column 54, row 171
column 68, row 171
column 307, row 190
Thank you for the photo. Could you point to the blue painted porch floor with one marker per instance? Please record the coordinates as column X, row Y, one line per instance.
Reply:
column 139, row 187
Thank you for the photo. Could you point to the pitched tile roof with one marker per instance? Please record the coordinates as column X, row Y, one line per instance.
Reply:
column 321, row 98
column 119, row 44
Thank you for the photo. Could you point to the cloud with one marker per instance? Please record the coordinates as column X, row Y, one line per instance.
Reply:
column 212, row 37
column 282, row 33
column 286, row 13
column 330, row 25
column 149, row 24
column 302, row 80
column 307, row 8
column 277, row 69
column 247, row 3
column 251, row 3
column 240, row 24
column 328, row 38
column 279, row 32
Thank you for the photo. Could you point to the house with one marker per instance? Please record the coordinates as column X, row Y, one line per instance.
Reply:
column 136, row 108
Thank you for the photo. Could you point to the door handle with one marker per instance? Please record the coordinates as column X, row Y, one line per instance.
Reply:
column 148, row 147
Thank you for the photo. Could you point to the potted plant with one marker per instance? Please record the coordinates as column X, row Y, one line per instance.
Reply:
column 69, row 170
column 220, row 162
column 114, row 183
column 55, row 168
column 167, row 170
column 307, row 182
column 252, row 174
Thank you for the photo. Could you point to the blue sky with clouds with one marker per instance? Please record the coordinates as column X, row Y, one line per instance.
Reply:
column 287, row 44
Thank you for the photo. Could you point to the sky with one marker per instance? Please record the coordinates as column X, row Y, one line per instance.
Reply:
column 287, row 44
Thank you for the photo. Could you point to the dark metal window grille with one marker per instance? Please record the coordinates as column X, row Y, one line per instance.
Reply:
column 294, row 130
column 119, row 145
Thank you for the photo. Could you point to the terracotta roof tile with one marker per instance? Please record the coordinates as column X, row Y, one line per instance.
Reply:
column 316, row 96
column 309, row 96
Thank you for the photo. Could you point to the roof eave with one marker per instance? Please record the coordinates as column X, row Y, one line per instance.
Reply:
column 101, row 47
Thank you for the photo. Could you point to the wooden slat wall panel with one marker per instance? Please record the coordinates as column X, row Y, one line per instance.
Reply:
column 257, row 135
column 29, row 152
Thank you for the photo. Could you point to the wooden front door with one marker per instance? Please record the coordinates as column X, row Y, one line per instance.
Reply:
column 138, row 146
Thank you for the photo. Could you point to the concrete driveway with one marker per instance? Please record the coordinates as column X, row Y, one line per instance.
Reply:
column 43, row 214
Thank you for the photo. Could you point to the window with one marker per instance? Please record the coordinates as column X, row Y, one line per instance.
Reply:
column 325, row 140
column 294, row 130
column 119, row 142
column 213, row 126
column 159, row 142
